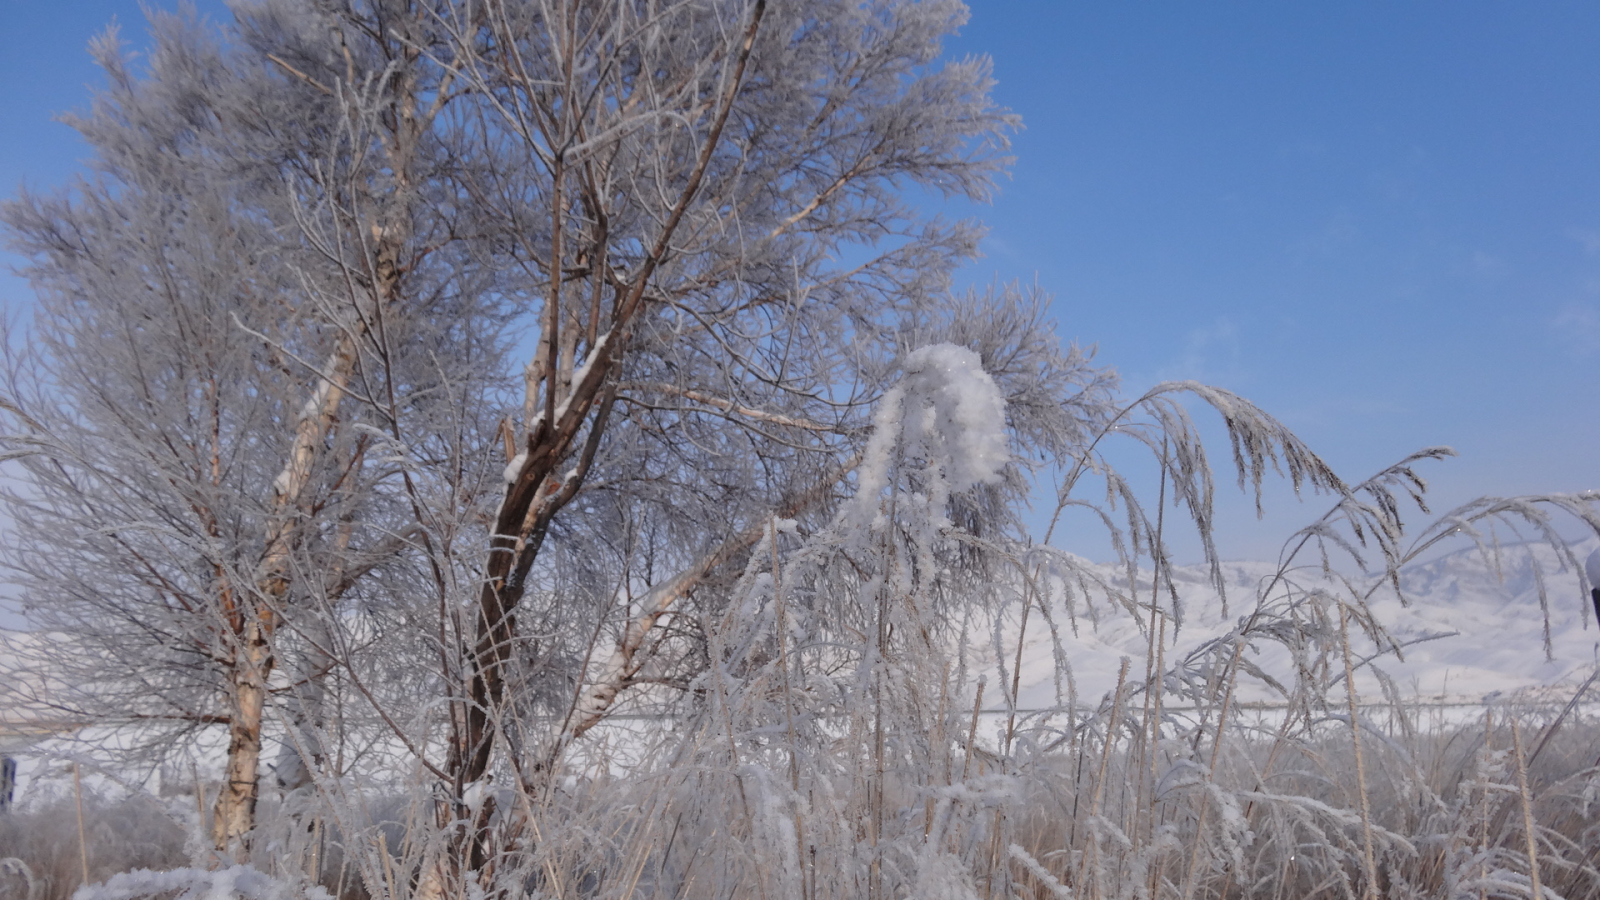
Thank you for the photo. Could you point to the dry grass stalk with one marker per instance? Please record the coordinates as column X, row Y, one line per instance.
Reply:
column 1368, row 856
column 83, row 839
column 1232, row 674
column 1483, row 807
column 1100, row 784
column 1529, row 830
column 972, row 730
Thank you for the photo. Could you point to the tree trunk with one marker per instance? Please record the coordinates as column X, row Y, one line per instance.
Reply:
column 253, row 659
column 253, row 662
column 236, row 803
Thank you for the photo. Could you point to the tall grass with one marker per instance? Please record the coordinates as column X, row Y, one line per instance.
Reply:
column 1128, row 805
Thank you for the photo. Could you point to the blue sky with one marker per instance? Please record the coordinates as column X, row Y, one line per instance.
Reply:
column 1380, row 221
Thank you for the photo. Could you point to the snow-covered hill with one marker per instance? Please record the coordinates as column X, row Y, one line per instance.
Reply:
column 1496, row 619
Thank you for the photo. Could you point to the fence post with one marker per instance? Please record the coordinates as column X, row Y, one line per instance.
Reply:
column 8, row 782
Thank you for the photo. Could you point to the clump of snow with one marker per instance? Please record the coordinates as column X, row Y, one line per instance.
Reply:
column 959, row 410
column 476, row 793
column 943, row 876
column 514, row 468
column 946, row 412
column 233, row 883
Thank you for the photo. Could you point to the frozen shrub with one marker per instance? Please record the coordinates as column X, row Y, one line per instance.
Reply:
column 127, row 833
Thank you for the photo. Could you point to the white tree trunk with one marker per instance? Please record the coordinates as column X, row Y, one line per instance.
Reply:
column 253, row 661
column 236, row 802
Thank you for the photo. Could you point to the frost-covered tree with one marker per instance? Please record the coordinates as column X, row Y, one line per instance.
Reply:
column 697, row 174
column 229, row 312
column 166, row 458
column 697, row 205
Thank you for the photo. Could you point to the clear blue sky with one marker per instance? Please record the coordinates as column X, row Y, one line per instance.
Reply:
column 1380, row 221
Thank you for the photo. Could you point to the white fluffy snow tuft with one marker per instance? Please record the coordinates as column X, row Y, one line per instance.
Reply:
column 962, row 412
column 514, row 468
column 946, row 413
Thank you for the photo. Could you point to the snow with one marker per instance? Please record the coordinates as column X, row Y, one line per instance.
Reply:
column 476, row 793
column 601, row 345
column 311, row 410
column 1490, row 613
column 514, row 468
column 963, row 413
column 241, row 882
column 947, row 411
column 1493, row 644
